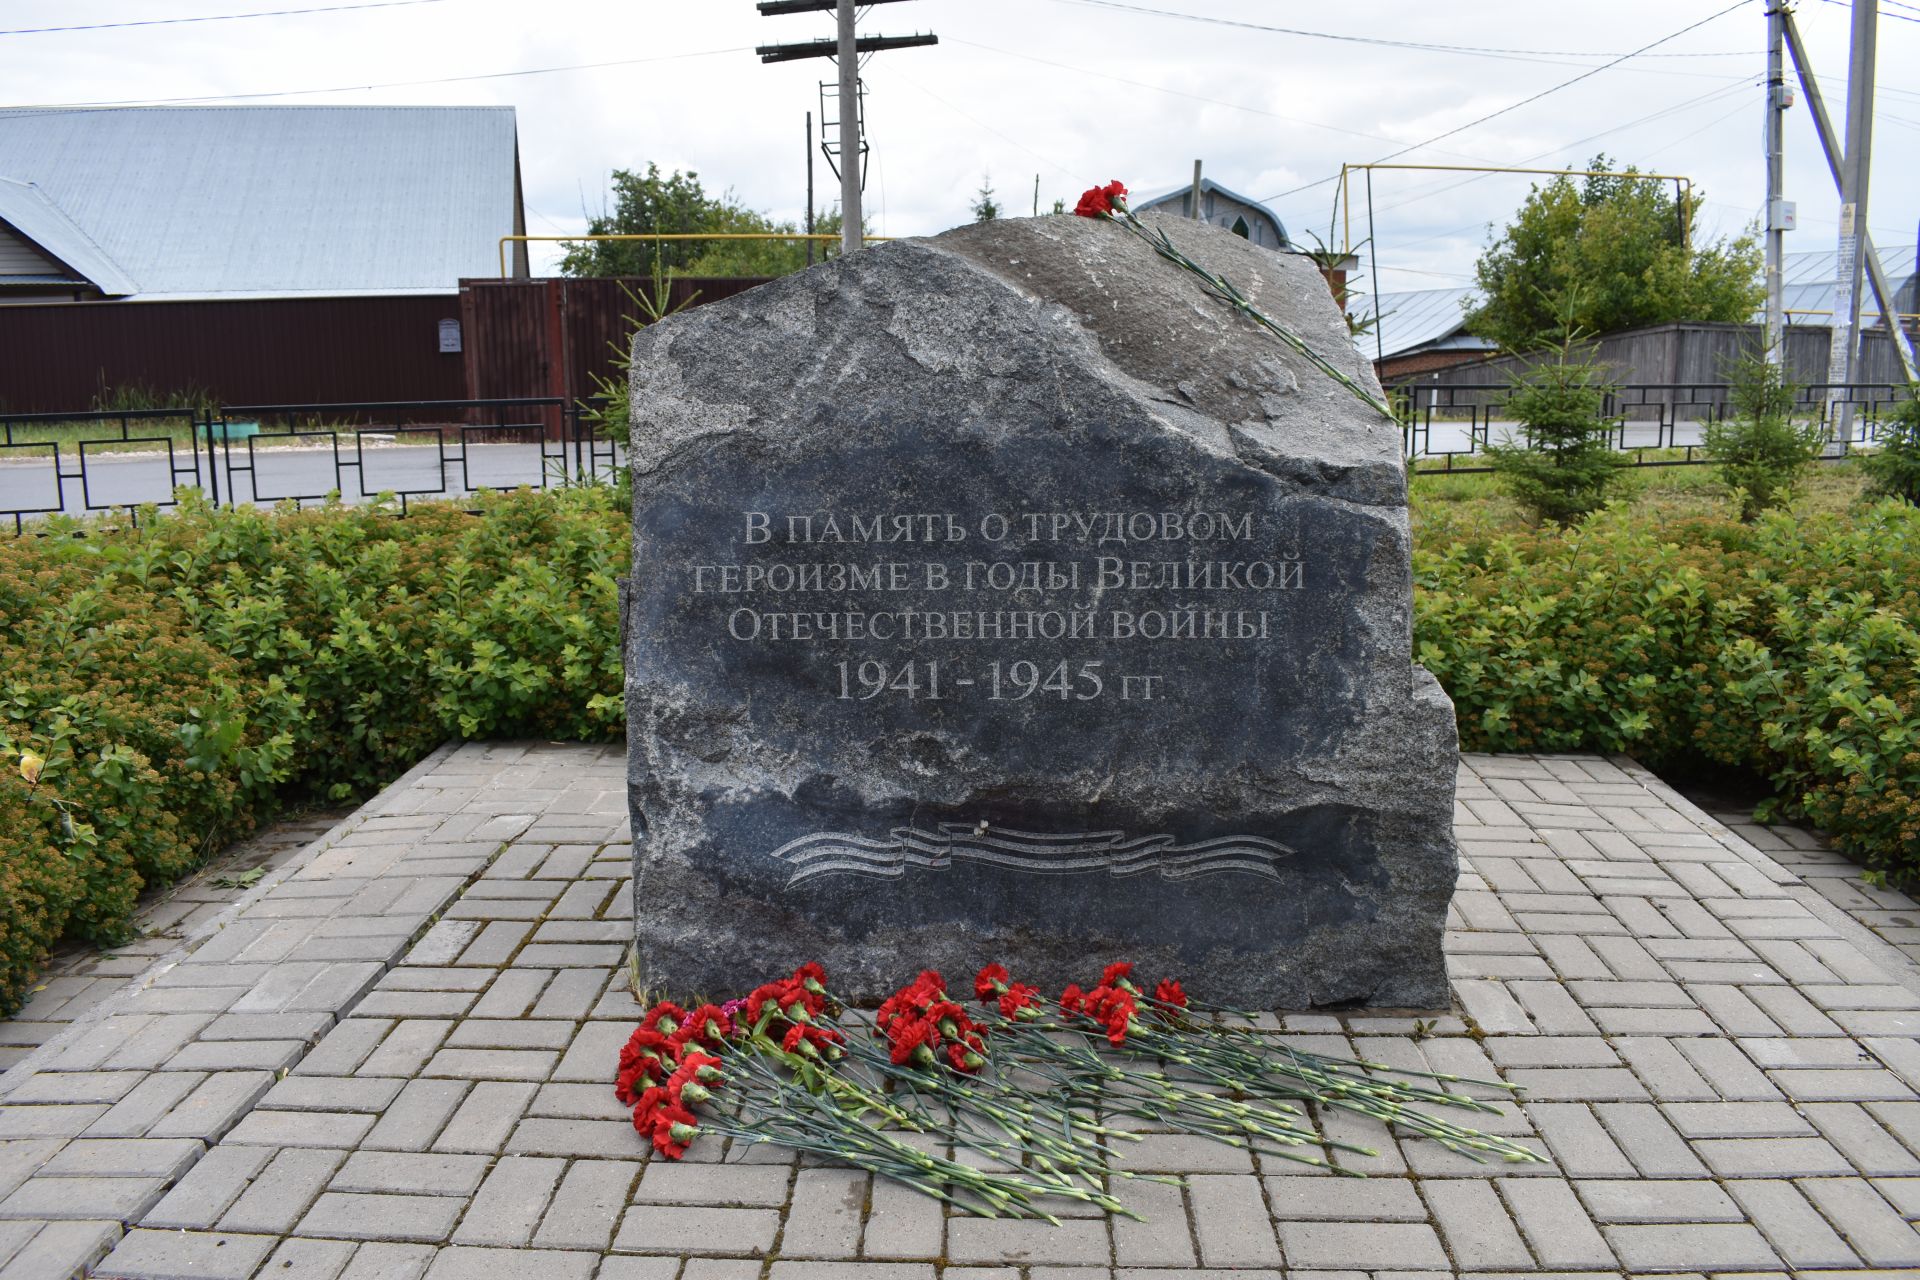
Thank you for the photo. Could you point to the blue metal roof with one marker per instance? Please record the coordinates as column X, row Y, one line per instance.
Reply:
column 210, row 202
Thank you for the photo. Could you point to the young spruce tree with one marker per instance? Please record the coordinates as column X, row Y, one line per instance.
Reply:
column 1893, row 470
column 1761, row 450
column 1566, row 465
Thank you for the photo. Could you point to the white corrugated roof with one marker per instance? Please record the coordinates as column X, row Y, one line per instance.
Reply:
column 26, row 208
column 1418, row 318
column 199, row 202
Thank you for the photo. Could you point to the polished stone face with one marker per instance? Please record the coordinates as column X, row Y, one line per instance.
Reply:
column 974, row 619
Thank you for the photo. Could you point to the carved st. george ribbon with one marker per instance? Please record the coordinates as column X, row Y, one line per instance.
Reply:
column 1068, row 853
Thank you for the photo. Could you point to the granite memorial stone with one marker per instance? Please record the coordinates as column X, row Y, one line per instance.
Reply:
column 1003, row 596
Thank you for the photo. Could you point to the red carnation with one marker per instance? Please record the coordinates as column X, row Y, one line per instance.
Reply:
column 664, row 1012
column 1020, row 1002
column 1115, row 974
column 1099, row 202
column 1169, row 992
column 1073, row 1000
column 812, row 976
column 673, row 1128
column 990, row 982
column 708, row 1026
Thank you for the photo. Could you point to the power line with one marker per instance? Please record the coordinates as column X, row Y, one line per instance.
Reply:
column 1423, row 45
column 218, row 17
column 1191, row 97
column 21, row 109
column 1494, row 115
column 1897, row 16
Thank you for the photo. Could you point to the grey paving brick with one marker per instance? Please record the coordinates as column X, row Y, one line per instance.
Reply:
column 1649, row 1141
column 511, row 1033
column 379, row 1260
column 75, row 1087
column 1772, row 1157
column 1158, row 1240
column 202, row 1197
column 572, row 994
column 492, row 1064
column 680, row 1182
column 587, row 1207
column 330, row 1093
column 512, row 993
column 342, row 1216
column 55, row 1199
column 307, row 1026
column 301, row 1129
column 1076, row 1240
column 416, row 1116
column 1479, row 1234
column 1870, row 1225
column 627, row 1267
column 54, row 1121
column 282, row 1191
column 1313, row 1198
column 345, row 1047
column 823, row 1220
column 487, row 1116
column 1793, row 1227
column 1371, row 1245
column 410, row 1173
column 687, row 1230
column 61, row 1249
column 1862, row 1139
column 309, row 1259
column 1555, row 1223
column 1737, row 1120
column 511, row 1201
column 902, row 1223
column 1654, row 1200
column 1694, row 1246
column 406, row 1048
column 184, row 1255
column 460, row 1263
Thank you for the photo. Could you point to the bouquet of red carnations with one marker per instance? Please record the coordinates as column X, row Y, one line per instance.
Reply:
column 1030, row 1087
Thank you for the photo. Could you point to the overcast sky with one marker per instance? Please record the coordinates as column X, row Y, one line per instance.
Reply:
column 1073, row 91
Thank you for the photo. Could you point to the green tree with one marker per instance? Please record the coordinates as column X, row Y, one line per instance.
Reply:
column 985, row 207
column 1893, row 470
column 1567, row 466
column 650, row 202
column 1761, row 450
column 1622, row 248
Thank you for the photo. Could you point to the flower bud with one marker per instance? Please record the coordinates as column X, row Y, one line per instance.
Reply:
column 694, row 1092
column 30, row 767
column 683, row 1133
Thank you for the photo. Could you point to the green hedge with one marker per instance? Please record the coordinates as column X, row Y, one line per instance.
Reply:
column 183, row 678
column 1788, row 647
column 186, row 677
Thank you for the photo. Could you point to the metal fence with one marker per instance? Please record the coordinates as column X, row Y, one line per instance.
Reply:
column 86, row 463
column 1447, row 426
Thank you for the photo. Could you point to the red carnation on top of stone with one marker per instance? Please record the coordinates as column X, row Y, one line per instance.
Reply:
column 1099, row 202
column 1170, row 992
column 990, row 982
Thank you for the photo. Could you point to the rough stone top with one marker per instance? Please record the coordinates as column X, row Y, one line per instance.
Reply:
column 1030, row 315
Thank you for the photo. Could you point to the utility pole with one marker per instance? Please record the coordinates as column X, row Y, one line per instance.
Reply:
column 809, row 224
column 852, row 221
column 845, row 49
column 1830, row 147
column 1778, row 211
column 1194, row 200
column 1855, row 164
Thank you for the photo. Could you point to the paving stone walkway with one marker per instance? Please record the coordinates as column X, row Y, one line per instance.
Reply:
column 390, row 1061
column 79, row 975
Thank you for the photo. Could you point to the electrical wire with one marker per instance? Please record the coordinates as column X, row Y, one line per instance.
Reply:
column 1494, row 115
column 218, row 17
column 1898, row 17
column 1483, row 51
column 20, row 109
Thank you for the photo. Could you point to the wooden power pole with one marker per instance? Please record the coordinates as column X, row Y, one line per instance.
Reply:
column 845, row 49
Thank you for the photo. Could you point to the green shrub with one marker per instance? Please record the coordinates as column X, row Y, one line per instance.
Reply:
column 1787, row 647
column 1568, row 465
column 1762, row 451
column 184, row 678
column 1893, row 470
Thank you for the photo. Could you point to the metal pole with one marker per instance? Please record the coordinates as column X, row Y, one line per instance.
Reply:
column 1830, row 147
column 1373, row 260
column 1193, row 210
column 1851, row 256
column 1776, row 166
column 809, row 186
column 851, row 224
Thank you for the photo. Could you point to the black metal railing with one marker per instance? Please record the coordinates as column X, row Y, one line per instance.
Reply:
column 1659, row 424
column 91, row 462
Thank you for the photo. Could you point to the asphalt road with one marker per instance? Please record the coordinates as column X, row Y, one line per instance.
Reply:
column 125, row 479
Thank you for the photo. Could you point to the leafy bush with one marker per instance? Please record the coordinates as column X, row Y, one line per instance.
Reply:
column 183, row 678
column 1568, row 465
column 1893, row 470
column 1789, row 647
column 1761, row 450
